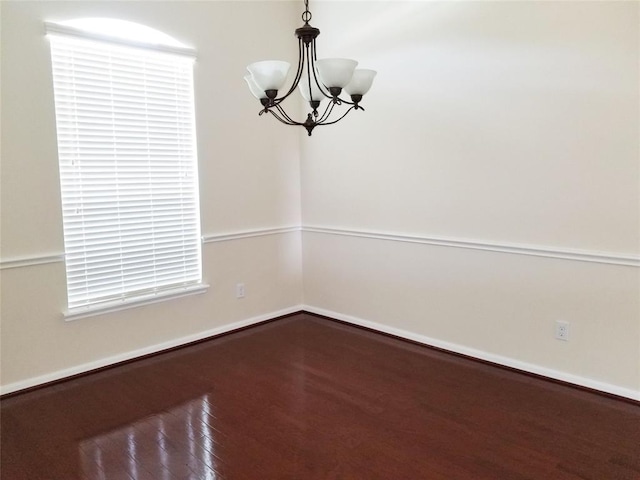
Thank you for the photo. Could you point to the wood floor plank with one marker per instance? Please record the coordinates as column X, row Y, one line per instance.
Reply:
column 307, row 398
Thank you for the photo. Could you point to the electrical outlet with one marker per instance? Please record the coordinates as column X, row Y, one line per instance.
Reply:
column 562, row 330
column 240, row 290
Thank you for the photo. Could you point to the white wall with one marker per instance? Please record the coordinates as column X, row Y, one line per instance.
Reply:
column 249, row 175
column 490, row 188
column 502, row 137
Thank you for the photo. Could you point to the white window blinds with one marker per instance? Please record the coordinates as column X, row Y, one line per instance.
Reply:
column 128, row 171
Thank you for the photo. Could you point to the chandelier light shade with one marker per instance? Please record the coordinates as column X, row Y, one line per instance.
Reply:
column 269, row 74
column 316, row 80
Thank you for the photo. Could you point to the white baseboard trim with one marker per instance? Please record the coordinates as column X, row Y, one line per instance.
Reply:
column 452, row 347
column 105, row 362
column 481, row 355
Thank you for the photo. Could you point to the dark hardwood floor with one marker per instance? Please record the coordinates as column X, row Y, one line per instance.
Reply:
column 307, row 398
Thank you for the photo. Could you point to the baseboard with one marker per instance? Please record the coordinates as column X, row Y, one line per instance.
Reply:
column 142, row 352
column 422, row 339
column 482, row 355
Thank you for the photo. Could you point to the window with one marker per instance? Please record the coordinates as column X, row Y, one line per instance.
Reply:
column 128, row 168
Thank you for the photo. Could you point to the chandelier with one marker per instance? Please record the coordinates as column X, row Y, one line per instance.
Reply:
column 317, row 81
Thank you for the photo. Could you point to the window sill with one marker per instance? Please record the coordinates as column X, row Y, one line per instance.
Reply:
column 133, row 302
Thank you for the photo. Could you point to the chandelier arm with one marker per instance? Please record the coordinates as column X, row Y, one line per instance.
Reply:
column 327, row 113
column 298, row 73
column 346, row 101
column 320, row 85
column 282, row 120
column 338, row 119
column 309, row 77
column 286, row 116
column 310, row 66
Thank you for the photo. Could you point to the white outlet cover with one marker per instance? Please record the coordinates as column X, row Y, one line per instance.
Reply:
column 562, row 330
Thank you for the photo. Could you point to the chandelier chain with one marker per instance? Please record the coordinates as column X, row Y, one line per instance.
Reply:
column 306, row 15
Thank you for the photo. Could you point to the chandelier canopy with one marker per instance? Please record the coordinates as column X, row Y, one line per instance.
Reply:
column 317, row 81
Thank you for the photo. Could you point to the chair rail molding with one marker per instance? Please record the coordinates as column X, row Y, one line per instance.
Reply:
column 34, row 260
column 593, row 256
column 31, row 260
column 223, row 237
column 623, row 259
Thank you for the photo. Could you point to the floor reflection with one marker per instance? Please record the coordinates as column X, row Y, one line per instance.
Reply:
column 176, row 443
